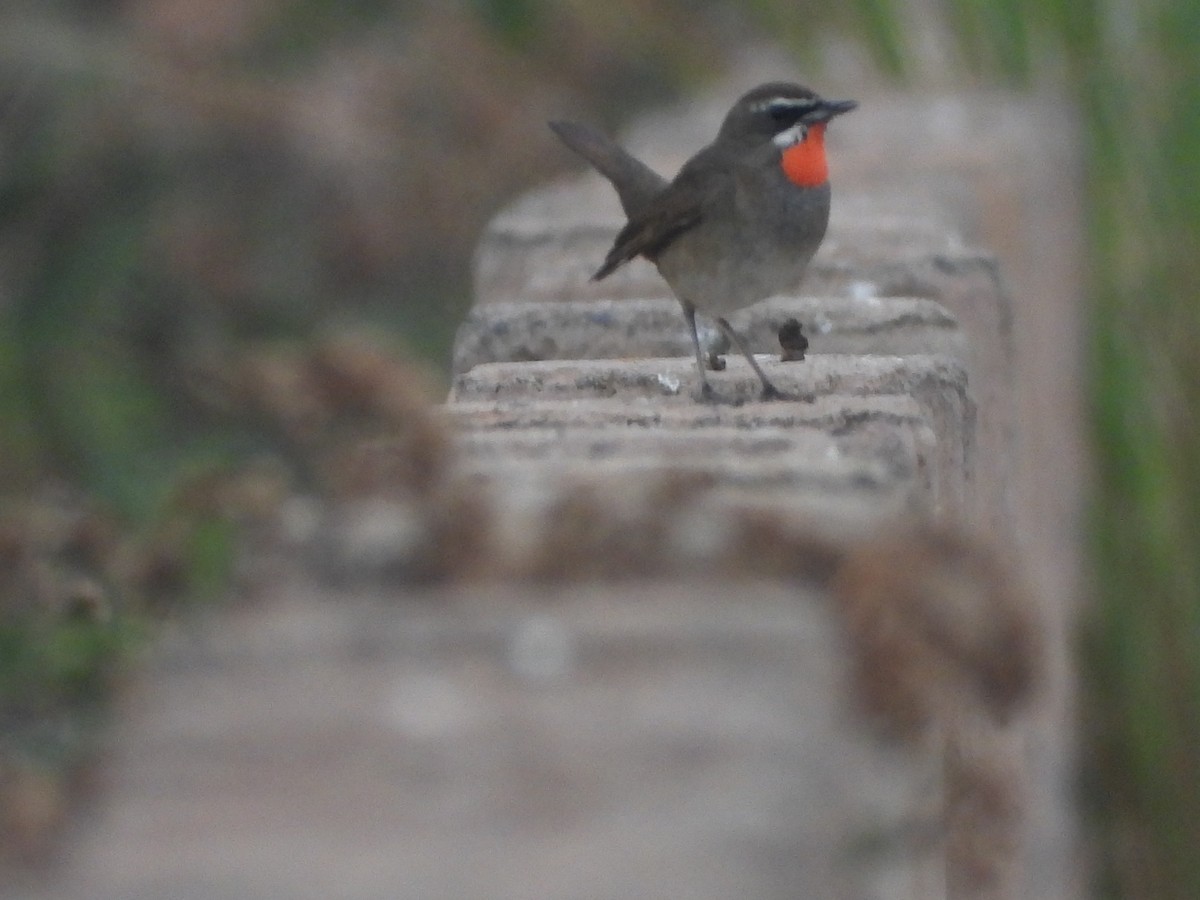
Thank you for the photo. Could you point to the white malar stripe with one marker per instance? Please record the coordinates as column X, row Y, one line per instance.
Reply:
column 790, row 137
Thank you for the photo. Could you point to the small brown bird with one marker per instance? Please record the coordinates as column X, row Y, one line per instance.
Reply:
column 743, row 217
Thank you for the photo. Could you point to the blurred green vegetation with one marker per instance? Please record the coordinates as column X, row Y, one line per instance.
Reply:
column 1134, row 69
column 55, row 674
column 1134, row 66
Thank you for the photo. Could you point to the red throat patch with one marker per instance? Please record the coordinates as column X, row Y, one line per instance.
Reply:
column 804, row 163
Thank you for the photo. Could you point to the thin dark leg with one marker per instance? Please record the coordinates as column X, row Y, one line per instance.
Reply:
column 769, row 391
column 689, row 313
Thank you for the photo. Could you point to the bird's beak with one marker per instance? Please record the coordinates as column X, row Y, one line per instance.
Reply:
column 827, row 109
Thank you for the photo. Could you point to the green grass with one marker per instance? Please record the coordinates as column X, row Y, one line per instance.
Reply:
column 1135, row 71
column 58, row 667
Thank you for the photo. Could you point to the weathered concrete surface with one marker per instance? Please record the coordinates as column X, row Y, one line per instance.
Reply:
column 833, row 413
column 658, row 740
column 787, row 447
column 719, row 444
column 882, row 443
column 875, row 464
column 937, row 384
column 624, row 329
column 891, row 476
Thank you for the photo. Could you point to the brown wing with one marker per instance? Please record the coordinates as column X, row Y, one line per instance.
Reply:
column 680, row 207
column 671, row 214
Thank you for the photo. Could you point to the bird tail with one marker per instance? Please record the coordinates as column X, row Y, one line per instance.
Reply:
column 636, row 183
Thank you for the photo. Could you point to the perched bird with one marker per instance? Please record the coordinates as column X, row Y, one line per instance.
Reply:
column 743, row 217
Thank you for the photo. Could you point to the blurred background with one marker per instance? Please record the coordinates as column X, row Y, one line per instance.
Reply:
column 200, row 198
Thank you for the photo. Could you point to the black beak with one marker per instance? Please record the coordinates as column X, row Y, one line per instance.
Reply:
column 827, row 109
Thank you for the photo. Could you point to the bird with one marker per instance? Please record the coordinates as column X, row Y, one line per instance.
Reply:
column 742, row 218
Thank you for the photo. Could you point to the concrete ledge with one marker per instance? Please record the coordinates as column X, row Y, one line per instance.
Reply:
column 937, row 384
column 836, row 413
column 655, row 741
column 882, row 243
column 892, row 483
column 623, row 329
column 599, row 444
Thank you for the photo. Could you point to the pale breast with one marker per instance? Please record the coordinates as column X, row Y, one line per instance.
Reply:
column 755, row 245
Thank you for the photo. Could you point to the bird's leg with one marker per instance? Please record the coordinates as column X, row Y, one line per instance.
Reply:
column 769, row 391
column 706, row 391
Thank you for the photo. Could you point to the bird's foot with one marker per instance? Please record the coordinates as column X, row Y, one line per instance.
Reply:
column 715, row 362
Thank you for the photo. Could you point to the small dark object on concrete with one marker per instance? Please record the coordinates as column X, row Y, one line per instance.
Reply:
column 793, row 341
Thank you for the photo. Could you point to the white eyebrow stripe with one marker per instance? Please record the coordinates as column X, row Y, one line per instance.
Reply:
column 797, row 103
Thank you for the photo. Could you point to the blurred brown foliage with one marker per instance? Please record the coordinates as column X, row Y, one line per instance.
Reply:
column 205, row 206
column 288, row 162
column 179, row 177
